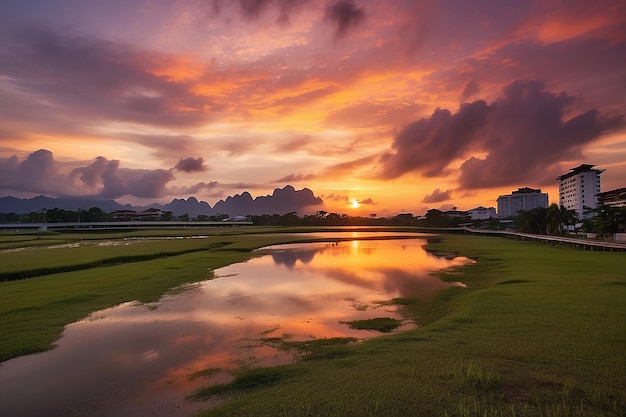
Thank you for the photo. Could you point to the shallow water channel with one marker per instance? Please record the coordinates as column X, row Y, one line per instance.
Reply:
column 139, row 359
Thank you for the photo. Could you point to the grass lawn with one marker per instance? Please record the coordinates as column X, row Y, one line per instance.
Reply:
column 539, row 330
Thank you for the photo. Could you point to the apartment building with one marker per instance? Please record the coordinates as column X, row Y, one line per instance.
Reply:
column 523, row 199
column 579, row 189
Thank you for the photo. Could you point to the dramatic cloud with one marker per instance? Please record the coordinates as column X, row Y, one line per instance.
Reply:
column 528, row 132
column 368, row 202
column 521, row 137
column 437, row 196
column 345, row 15
column 106, row 179
column 191, row 165
column 471, row 89
column 99, row 79
column 35, row 174
column 40, row 173
column 430, row 144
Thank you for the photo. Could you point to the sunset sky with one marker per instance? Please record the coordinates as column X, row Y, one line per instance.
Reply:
column 389, row 105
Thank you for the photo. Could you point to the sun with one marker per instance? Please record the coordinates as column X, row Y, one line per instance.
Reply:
column 355, row 203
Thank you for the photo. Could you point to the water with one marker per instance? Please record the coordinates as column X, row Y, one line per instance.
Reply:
column 139, row 359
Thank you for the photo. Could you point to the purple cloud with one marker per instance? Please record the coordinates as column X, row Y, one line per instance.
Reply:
column 368, row 202
column 40, row 173
column 295, row 178
column 200, row 187
column 254, row 9
column 36, row 174
column 472, row 88
column 529, row 134
column 431, row 143
column 100, row 80
column 523, row 134
column 336, row 197
column 106, row 179
column 437, row 196
column 191, row 165
column 345, row 15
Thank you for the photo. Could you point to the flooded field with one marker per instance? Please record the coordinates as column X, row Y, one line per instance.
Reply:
column 144, row 359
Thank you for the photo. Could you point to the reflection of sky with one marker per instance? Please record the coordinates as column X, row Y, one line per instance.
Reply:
column 136, row 359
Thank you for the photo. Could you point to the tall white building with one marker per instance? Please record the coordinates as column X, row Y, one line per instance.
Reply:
column 579, row 189
column 522, row 199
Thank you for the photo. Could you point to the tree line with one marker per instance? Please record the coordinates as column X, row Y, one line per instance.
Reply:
column 433, row 218
column 96, row 214
column 559, row 221
column 553, row 220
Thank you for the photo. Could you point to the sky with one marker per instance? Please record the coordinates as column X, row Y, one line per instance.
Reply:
column 378, row 106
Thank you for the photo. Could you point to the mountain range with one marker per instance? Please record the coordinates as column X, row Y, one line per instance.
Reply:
column 281, row 201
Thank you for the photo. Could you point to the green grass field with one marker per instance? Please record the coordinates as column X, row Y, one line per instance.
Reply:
column 539, row 331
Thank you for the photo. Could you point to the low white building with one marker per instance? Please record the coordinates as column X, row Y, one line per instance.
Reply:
column 614, row 198
column 482, row 213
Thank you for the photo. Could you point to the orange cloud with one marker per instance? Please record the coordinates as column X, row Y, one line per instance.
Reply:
column 554, row 23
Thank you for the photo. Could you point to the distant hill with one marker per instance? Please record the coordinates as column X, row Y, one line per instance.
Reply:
column 191, row 206
column 281, row 201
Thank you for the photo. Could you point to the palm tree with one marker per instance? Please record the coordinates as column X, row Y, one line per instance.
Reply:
column 607, row 220
column 557, row 217
column 568, row 217
column 553, row 220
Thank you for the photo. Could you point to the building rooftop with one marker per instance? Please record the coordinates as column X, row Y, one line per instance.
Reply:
column 612, row 195
column 580, row 168
column 526, row 190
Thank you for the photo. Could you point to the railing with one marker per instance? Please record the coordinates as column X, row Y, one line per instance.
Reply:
column 582, row 243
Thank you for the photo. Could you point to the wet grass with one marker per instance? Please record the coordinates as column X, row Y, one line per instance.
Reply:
column 20, row 265
column 328, row 348
column 379, row 324
column 246, row 380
